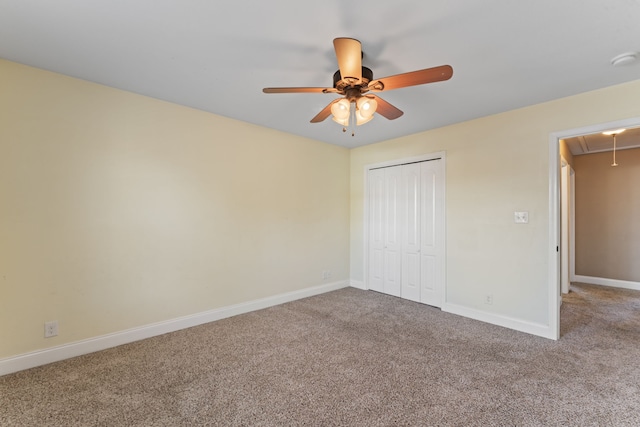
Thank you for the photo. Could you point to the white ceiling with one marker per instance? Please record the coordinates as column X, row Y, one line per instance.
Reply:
column 218, row 55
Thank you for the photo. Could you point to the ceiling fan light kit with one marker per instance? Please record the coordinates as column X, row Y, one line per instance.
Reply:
column 354, row 82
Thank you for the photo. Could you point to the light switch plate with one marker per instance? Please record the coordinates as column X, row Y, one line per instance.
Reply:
column 521, row 217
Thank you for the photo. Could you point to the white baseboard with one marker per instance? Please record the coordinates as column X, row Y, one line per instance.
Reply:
column 504, row 321
column 357, row 284
column 607, row 282
column 90, row 345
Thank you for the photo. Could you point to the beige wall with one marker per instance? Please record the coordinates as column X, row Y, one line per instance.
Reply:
column 118, row 210
column 494, row 166
column 608, row 215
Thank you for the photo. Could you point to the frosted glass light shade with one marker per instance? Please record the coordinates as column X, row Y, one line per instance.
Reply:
column 343, row 122
column 366, row 107
column 361, row 119
column 340, row 110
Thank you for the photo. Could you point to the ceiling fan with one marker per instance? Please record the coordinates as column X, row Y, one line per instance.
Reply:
column 355, row 82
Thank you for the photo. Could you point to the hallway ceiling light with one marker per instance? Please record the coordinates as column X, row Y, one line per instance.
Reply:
column 614, row 133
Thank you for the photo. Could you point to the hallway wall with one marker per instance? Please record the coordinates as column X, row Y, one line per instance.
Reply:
column 608, row 215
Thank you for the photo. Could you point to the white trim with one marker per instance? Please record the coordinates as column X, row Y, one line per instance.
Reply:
column 444, row 227
column 572, row 227
column 625, row 284
column 357, row 284
column 365, row 231
column 554, row 209
column 553, row 286
column 90, row 345
column 565, row 221
column 597, row 128
column 499, row 320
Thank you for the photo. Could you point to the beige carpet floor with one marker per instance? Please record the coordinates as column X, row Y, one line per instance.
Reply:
column 352, row 357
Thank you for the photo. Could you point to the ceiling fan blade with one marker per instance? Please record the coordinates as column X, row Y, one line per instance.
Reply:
column 326, row 112
column 386, row 109
column 349, row 55
column 413, row 78
column 299, row 90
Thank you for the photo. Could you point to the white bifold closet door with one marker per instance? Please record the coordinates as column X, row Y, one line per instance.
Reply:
column 406, row 231
column 384, row 237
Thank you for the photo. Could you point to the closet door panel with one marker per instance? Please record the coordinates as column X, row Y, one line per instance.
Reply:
column 377, row 218
column 392, row 231
column 431, row 229
column 411, row 183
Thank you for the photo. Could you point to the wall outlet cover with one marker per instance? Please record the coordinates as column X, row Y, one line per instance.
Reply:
column 521, row 217
column 51, row 329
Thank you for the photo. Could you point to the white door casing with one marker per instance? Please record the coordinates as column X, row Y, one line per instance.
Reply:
column 572, row 226
column 564, row 225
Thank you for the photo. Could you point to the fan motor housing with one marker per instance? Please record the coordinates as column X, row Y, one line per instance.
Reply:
column 341, row 85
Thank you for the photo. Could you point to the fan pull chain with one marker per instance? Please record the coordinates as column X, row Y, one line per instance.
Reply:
column 352, row 119
column 614, row 151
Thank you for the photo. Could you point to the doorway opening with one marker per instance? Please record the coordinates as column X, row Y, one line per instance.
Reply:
column 562, row 213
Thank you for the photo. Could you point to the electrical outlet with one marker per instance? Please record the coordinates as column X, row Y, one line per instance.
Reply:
column 51, row 329
column 326, row 274
column 488, row 299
